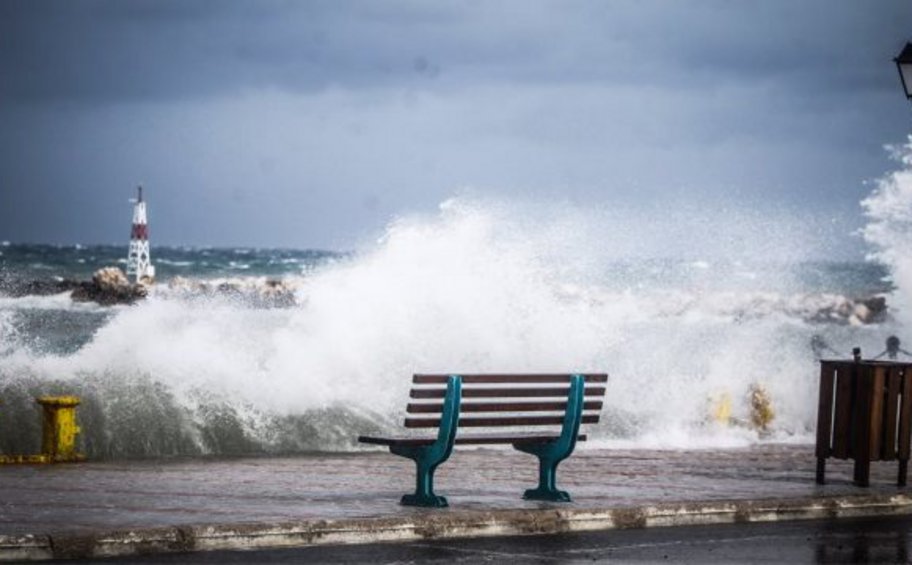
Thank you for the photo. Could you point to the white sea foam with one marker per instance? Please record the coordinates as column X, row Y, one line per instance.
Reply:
column 174, row 263
column 9, row 341
column 480, row 288
column 59, row 301
column 889, row 228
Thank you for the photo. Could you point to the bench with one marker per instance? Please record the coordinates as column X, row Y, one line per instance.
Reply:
column 502, row 409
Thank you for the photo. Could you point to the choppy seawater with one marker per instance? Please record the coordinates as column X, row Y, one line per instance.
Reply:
column 474, row 288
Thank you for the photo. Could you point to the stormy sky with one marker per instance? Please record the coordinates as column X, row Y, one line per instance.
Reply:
column 311, row 124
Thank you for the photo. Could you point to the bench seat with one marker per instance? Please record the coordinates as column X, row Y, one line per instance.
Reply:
column 469, row 439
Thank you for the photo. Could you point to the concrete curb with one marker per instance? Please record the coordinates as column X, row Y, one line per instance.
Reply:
column 439, row 525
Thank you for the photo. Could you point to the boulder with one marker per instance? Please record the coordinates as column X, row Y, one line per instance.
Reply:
column 110, row 279
column 275, row 294
column 109, row 286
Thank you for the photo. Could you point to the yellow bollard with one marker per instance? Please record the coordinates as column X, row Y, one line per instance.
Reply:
column 720, row 408
column 59, row 428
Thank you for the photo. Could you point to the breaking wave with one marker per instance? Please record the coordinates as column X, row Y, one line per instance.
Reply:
column 477, row 287
column 889, row 228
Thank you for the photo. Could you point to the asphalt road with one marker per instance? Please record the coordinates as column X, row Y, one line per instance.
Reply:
column 869, row 540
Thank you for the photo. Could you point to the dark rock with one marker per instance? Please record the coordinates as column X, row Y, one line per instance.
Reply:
column 257, row 294
column 109, row 286
column 877, row 309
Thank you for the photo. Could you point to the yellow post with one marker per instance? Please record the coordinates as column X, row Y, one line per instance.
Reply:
column 59, row 429
column 720, row 408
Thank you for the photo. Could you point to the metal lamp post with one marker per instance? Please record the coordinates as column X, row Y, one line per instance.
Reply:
column 904, row 64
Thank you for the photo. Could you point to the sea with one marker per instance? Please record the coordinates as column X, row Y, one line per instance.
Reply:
column 681, row 320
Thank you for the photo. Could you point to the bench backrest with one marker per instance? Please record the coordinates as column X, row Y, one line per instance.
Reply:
column 506, row 400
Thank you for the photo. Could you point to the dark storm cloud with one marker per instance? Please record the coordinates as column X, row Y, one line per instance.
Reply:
column 102, row 51
column 298, row 123
column 98, row 51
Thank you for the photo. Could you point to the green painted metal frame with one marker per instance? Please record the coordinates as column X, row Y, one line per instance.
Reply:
column 550, row 454
column 428, row 457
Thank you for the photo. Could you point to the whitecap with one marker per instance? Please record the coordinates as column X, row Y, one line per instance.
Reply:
column 474, row 288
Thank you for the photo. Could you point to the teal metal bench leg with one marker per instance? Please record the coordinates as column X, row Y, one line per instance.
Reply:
column 547, row 479
column 428, row 457
column 552, row 453
column 424, row 488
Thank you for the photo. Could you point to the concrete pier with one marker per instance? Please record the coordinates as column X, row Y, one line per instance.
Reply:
column 124, row 508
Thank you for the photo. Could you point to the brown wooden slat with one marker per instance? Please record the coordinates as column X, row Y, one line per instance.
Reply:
column 469, row 439
column 396, row 440
column 825, row 409
column 877, row 412
column 511, row 378
column 436, row 408
column 476, row 422
column 868, row 362
column 861, row 423
column 835, row 363
column 510, row 438
column 842, row 418
column 505, row 392
column 546, row 406
column 905, row 413
column 893, row 386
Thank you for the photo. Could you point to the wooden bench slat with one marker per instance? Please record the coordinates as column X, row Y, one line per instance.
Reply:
column 467, row 439
column 475, row 422
column 435, row 408
column 395, row 440
column 505, row 392
column 485, row 439
column 511, row 378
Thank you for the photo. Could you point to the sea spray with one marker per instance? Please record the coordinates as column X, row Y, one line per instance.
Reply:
column 477, row 287
column 8, row 334
column 889, row 229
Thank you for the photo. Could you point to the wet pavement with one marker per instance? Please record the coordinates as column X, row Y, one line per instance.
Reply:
column 142, row 494
column 847, row 540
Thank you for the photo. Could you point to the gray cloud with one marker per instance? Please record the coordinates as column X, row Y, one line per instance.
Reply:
column 311, row 123
column 96, row 51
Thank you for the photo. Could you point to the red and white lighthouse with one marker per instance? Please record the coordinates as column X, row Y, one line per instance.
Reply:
column 139, row 262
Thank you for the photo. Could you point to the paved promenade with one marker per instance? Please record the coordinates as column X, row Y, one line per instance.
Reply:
column 128, row 507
